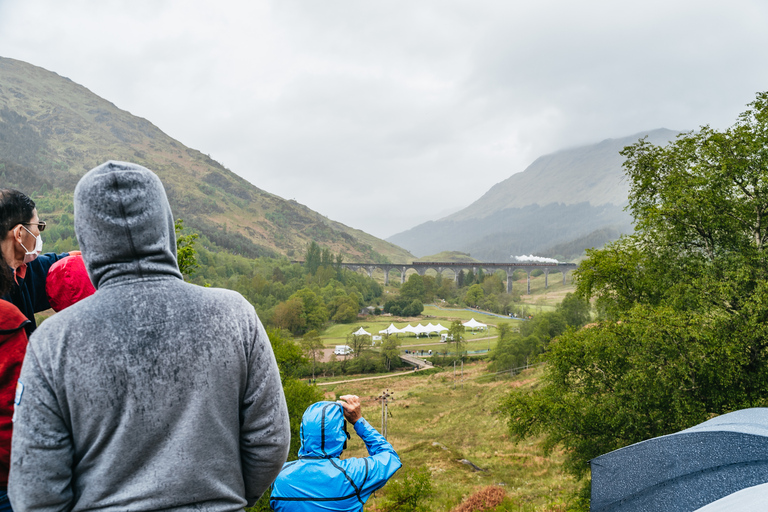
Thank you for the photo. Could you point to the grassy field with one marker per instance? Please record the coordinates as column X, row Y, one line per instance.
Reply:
column 437, row 422
column 337, row 334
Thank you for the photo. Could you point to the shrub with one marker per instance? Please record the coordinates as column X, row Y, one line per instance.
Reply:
column 487, row 498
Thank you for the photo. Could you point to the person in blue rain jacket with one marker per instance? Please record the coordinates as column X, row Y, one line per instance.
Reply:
column 320, row 480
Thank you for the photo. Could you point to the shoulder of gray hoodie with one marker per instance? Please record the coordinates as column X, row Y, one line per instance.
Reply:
column 152, row 394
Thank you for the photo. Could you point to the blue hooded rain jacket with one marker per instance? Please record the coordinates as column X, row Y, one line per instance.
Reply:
column 319, row 480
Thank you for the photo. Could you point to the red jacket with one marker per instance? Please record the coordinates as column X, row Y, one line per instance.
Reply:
column 13, row 345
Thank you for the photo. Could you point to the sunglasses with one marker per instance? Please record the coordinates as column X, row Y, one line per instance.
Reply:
column 40, row 225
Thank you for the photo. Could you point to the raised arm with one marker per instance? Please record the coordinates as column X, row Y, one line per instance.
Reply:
column 383, row 460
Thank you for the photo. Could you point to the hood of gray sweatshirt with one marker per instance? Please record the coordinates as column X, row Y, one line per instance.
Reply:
column 152, row 394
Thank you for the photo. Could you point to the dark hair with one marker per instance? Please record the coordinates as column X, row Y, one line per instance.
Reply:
column 6, row 278
column 15, row 208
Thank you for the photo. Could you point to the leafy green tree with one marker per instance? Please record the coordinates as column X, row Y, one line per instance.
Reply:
column 314, row 308
column 574, row 309
column 390, row 350
column 358, row 343
column 415, row 308
column 343, row 308
column 475, row 295
column 312, row 259
column 456, row 337
column 413, row 289
column 683, row 302
column 290, row 315
column 186, row 256
column 313, row 347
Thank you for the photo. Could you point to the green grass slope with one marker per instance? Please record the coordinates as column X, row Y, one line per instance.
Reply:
column 436, row 422
column 53, row 130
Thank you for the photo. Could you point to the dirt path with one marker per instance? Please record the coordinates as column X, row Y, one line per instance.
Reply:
column 399, row 374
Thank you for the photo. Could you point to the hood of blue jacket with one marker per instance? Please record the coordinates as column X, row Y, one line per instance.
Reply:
column 322, row 431
column 124, row 224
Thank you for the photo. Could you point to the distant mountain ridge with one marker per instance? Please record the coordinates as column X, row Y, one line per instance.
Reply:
column 53, row 130
column 560, row 197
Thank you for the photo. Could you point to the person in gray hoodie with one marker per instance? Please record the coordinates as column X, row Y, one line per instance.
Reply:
column 153, row 393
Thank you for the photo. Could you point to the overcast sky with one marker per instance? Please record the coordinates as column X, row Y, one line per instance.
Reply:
column 383, row 115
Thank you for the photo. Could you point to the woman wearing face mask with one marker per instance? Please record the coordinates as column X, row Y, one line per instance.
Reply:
column 22, row 247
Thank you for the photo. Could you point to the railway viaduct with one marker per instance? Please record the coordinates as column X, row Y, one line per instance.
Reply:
column 421, row 268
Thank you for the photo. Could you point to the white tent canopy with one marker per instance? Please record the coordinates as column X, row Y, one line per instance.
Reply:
column 440, row 328
column 422, row 329
column 361, row 332
column 408, row 328
column 391, row 330
column 474, row 324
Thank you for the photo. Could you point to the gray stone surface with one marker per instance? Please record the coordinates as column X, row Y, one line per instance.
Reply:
column 685, row 471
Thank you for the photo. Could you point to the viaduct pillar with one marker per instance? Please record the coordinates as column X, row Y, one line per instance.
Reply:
column 386, row 276
column 528, row 273
column 509, row 281
column 546, row 278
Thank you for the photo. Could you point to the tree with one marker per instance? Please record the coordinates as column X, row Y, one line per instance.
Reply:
column 413, row 289
column 312, row 258
column 390, row 350
column 413, row 309
column 358, row 343
column 290, row 315
column 574, row 309
column 313, row 347
column 314, row 309
column 683, row 302
column 456, row 337
column 186, row 256
column 475, row 295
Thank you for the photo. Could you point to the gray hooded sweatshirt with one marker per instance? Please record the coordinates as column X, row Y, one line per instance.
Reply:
column 152, row 394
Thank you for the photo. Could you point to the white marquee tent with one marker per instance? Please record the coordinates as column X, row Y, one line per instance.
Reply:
column 361, row 332
column 391, row 330
column 474, row 324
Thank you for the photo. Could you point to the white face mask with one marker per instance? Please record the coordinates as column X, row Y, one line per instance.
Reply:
column 33, row 254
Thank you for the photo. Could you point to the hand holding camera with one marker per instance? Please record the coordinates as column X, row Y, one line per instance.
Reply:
column 353, row 410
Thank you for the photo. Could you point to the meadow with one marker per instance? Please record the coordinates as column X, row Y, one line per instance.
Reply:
column 436, row 422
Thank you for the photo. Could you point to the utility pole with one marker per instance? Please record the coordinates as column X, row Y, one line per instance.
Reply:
column 384, row 397
column 454, row 374
column 462, row 374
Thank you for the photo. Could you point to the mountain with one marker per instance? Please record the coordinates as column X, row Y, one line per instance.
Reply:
column 559, row 198
column 53, row 130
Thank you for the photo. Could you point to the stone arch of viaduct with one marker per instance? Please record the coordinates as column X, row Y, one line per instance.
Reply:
column 489, row 268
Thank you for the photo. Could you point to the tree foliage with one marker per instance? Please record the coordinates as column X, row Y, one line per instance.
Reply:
column 186, row 256
column 683, row 302
column 409, row 493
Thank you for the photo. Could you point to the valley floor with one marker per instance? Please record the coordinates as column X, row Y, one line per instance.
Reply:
column 436, row 422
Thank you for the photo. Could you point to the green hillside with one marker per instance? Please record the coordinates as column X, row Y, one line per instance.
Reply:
column 450, row 257
column 53, row 130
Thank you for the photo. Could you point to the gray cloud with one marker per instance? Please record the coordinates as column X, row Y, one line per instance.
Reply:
column 384, row 115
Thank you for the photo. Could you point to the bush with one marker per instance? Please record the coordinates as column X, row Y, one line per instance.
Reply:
column 409, row 494
column 487, row 498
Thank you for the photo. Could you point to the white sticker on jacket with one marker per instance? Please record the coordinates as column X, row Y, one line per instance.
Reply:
column 19, row 392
